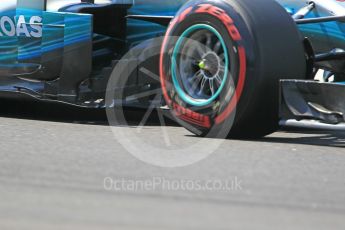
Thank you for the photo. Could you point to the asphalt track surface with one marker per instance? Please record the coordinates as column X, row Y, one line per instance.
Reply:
column 54, row 159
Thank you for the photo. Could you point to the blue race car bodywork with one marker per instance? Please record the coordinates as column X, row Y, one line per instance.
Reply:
column 36, row 37
column 65, row 50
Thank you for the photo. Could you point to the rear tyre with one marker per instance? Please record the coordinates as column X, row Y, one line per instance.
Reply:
column 232, row 82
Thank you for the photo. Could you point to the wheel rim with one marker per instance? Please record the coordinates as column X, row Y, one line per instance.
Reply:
column 200, row 65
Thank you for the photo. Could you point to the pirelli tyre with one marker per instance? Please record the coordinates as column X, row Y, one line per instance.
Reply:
column 221, row 62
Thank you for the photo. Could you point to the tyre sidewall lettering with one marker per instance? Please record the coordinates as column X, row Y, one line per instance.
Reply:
column 221, row 109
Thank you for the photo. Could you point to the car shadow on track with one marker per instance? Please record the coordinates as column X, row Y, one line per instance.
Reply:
column 302, row 137
column 308, row 137
column 55, row 112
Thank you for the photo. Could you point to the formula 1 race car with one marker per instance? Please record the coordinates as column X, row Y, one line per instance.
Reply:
column 244, row 64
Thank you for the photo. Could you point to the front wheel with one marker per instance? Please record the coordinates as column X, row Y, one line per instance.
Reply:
column 221, row 63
